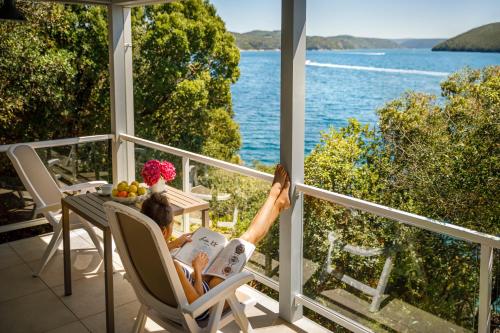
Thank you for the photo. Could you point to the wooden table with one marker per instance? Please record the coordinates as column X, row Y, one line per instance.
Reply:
column 90, row 207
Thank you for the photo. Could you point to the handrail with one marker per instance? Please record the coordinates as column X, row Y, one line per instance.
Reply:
column 340, row 199
column 61, row 142
column 402, row 216
column 199, row 158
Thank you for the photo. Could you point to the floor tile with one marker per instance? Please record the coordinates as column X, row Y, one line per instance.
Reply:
column 8, row 257
column 38, row 312
column 30, row 249
column 84, row 263
column 124, row 320
column 116, row 257
column 88, row 294
column 75, row 327
column 18, row 281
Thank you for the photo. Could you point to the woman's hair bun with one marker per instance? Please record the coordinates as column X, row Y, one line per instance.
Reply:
column 160, row 198
column 158, row 208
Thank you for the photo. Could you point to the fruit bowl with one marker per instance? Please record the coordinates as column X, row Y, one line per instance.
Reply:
column 129, row 200
column 128, row 194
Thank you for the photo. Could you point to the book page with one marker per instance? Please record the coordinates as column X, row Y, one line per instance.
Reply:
column 203, row 240
column 232, row 259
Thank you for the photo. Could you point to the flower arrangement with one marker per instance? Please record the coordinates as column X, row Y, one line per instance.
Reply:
column 153, row 170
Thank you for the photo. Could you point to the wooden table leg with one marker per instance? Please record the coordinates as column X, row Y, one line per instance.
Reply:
column 205, row 219
column 66, row 250
column 108, row 281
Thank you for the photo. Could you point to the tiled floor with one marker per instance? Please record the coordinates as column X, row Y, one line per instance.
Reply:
column 29, row 304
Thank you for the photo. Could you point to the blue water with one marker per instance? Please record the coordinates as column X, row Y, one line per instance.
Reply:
column 339, row 85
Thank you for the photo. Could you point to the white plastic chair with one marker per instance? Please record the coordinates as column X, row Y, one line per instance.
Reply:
column 229, row 224
column 47, row 196
column 377, row 294
column 151, row 271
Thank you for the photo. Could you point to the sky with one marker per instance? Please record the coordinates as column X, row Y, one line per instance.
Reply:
column 368, row 18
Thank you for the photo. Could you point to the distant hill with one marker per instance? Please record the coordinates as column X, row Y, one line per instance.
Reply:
column 271, row 40
column 485, row 38
column 419, row 43
column 258, row 40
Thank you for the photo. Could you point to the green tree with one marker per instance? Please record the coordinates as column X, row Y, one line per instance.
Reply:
column 48, row 74
column 186, row 62
column 445, row 153
column 54, row 70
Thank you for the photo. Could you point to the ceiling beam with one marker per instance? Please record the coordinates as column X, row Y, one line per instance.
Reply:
column 136, row 3
column 124, row 3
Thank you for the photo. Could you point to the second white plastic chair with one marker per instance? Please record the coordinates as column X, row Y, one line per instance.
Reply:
column 47, row 196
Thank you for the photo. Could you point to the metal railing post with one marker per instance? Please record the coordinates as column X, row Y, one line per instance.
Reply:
column 186, row 187
column 485, row 279
column 293, row 58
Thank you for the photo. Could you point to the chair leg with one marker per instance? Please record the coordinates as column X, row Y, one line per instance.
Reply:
column 95, row 239
column 54, row 243
column 140, row 321
column 215, row 315
column 239, row 315
column 382, row 284
column 93, row 236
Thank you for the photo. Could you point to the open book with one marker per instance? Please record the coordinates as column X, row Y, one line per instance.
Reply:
column 224, row 258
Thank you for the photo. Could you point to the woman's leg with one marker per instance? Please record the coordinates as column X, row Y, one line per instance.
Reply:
column 260, row 225
column 276, row 201
column 269, row 212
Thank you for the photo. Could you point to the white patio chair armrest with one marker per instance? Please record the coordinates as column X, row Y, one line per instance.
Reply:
column 48, row 208
column 83, row 186
column 217, row 294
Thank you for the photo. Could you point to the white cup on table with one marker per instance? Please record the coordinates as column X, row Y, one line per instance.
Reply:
column 106, row 189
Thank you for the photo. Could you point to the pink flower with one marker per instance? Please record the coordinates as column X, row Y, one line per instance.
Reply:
column 154, row 169
column 167, row 171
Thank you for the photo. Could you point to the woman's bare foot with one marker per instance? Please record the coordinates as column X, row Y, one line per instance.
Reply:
column 283, row 200
column 280, row 177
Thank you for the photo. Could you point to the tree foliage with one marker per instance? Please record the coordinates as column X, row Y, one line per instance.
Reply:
column 54, row 70
column 185, row 64
column 50, row 74
column 445, row 161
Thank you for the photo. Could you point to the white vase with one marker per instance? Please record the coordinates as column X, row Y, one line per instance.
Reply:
column 159, row 186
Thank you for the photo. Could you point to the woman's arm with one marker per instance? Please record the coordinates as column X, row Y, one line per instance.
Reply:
column 178, row 242
column 198, row 283
column 199, row 263
column 191, row 293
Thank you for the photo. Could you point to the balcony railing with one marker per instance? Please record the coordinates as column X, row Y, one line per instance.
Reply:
column 487, row 243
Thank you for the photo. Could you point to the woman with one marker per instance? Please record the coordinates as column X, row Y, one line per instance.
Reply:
column 196, row 284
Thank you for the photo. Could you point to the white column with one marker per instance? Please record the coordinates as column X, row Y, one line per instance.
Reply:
column 122, row 94
column 293, row 57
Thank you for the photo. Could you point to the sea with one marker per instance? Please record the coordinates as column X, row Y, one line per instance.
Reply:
column 339, row 85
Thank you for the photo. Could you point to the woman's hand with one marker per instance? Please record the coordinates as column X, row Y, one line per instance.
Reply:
column 180, row 241
column 200, row 262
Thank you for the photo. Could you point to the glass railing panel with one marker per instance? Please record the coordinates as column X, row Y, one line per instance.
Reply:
column 78, row 163
column 431, row 280
column 234, row 201
column 68, row 165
